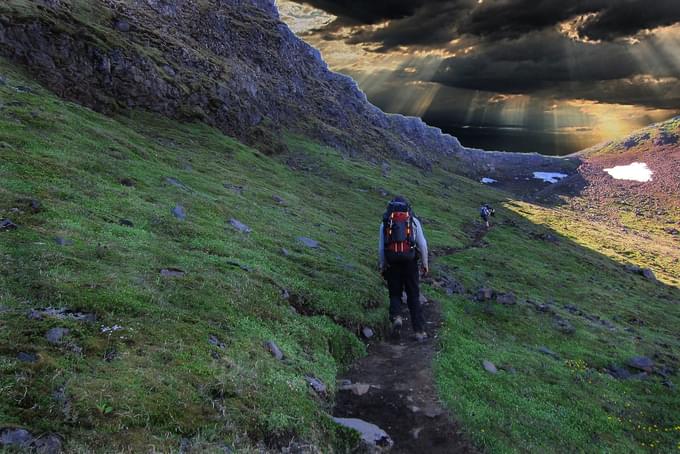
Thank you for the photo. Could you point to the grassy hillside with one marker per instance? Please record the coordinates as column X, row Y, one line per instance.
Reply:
column 189, row 366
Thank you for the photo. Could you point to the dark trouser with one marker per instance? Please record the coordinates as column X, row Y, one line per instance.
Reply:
column 404, row 277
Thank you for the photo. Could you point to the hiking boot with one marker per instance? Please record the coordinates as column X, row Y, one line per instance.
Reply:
column 421, row 336
column 396, row 324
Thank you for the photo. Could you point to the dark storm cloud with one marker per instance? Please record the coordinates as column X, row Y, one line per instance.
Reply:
column 542, row 59
column 496, row 20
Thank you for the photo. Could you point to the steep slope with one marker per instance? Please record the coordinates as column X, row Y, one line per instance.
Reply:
column 229, row 63
column 126, row 237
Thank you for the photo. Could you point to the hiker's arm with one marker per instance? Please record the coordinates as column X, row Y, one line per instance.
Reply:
column 421, row 242
column 381, row 248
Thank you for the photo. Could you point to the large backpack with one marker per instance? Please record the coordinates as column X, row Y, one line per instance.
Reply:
column 399, row 233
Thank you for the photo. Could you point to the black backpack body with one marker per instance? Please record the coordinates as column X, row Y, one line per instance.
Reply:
column 399, row 233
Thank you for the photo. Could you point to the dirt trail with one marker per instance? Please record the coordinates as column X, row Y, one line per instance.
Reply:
column 403, row 398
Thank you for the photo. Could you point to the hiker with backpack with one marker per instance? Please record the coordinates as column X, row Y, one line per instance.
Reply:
column 402, row 244
column 485, row 212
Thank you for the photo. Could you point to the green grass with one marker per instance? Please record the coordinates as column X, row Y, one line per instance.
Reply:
column 167, row 382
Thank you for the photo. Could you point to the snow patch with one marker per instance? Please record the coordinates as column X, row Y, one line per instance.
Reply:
column 637, row 171
column 486, row 180
column 550, row 177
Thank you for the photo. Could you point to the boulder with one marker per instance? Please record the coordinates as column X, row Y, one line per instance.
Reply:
column 239, row 226
column 274, row 350
column 279, row 200
column 128, row 182
column 367, row 332
column 372, row 435
column 121, row 25
column 126, row 223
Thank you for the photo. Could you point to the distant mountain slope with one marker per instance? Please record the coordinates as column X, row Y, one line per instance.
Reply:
column 641, row 171
column 229, row 63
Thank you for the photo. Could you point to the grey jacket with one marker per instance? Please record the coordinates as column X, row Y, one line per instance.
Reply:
column 421, row 244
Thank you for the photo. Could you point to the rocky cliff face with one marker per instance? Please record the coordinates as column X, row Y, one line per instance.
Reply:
column 230, row 63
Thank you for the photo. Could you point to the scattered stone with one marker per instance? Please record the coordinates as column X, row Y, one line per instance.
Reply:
column 127, row 182
column 279, row 200
column 547, row 351
column 178, row 184
column 110, row 329
column 564, row 326
column 371, row 434
column 415, row 432
column 620, row 373
column 422, row 299
column 648, row 274
column 213, row 340
column 367, row 332
column 23, row 89
column 484, row 294
column 359, row 389
column 383, row 192
column 122, row 25
column 506, row 299
column 235, row 188
column 55, row 335
column 3, row 81
column 48, row 444
column 63, row 241
column 666, row 138
column 285, row 252
column 490, row 367
column 238, row 225
column 308, row 242
column 27, row 357
column 285, row 294
column 126, row 223
column 385, row 169
column 449, row 285
column 274, row 350
column 172, row 272
column 317, row 385
column 641, row 363
column 433, row 411
column 179, row 212
column 15, row 437
column 61, row 314
column 672, row 231
column 6, row 224
column 34, row 205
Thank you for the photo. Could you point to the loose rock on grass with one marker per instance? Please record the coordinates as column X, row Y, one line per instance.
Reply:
column 274, row 350
column 308, row 242
column 238, row 225
column 489, row 367
column 55, row 335
column 179, row 212
column 7, row 224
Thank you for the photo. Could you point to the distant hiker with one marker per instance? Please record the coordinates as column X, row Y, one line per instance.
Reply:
column 485, row 211
column 402, row 243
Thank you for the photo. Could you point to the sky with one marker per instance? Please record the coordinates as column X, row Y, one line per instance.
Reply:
column 547, row 76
